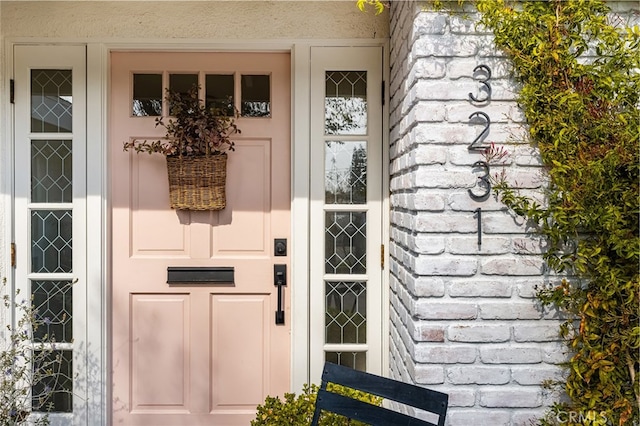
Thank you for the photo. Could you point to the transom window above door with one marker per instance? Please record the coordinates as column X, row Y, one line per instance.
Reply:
column 249, row 94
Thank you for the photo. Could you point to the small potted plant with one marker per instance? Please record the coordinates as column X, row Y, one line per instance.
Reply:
column 196, row 143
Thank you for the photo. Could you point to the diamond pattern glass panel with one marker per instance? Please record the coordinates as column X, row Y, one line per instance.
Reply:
column 51, row 171
column 53, row 381
column 345, row 242
column 345, row 172
column 355, row 360
column 256, row 95
column 51, row 241
column 345, row 103
column 147, row 95
column 53, row 306
column 346, row 312
column 51, row 101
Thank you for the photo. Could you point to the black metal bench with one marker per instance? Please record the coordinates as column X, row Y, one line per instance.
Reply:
column 392, row 390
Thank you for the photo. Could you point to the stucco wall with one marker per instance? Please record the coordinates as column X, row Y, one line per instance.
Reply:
column 217, row 20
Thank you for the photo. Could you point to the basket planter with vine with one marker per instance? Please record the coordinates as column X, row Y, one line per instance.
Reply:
column 195, row 146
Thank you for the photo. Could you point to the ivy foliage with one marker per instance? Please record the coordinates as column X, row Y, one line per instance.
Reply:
column 578, row 67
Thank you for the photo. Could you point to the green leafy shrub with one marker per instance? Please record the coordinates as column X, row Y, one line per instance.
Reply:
column 298, row 410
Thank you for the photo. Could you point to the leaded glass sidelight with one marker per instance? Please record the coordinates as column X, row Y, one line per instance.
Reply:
column 345, row 242
column 51, row 247
column 53, row 306
column 345, row 103
column 355, row 360
column 345, row 172
column 346, row 312
column 51, row 223
column 345, row 218
column 51, row 173
column 53, row 391
column 51, row 101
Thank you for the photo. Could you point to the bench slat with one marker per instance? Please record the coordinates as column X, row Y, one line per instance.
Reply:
column 389, row 389
column 364, row 412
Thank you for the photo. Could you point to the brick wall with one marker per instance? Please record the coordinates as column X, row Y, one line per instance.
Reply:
column 464, row 319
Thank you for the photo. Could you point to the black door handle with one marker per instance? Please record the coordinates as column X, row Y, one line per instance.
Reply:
column 280, row 280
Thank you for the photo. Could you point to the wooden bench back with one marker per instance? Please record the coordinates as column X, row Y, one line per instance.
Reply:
column 393, row 390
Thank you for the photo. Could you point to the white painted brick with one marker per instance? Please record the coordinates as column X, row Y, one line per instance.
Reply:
column 536, row 375
column 429, row 154
column 463, row 67
column 440, row 90
column 427, row 374
column 526, row 156
column 527, row 417
column 424, row 331
column 511, row 397
column 427, row 200
column 503, row 90
column 461, row 201
column 475, row 374
column 529, row 245
column 474, row 333
column 529, row 178
column 439, row 310
column 480, row 288
column 441, row 354
column 427, row 68
column 427, row 244
column 503, row 223
column 429, row 23
column 501, row 354
column 428, row 178
column 458, row 396
column 465, row 24
column 511, row 266
column 456, row 417
column 426, row 286
column 542, row 331
column 446, row 45
column 427, row 111
column 527, row 289
column 446, row 266
column 442, row 133
column 498, row 112
column 432, row 222
column 554, row 353
column 469, row 245
column 516, row 114
column 509, row 310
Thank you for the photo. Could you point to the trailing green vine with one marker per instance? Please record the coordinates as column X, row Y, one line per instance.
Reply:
column 579, row 73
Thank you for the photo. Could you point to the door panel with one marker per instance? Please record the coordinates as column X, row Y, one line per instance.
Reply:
column 185, row 353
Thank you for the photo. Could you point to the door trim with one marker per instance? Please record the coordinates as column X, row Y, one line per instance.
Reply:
column 97, row 205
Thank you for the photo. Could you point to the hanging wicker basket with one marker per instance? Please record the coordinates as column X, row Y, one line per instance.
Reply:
column 197, row 182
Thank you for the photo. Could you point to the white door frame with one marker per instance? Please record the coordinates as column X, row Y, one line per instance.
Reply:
column 97, row 203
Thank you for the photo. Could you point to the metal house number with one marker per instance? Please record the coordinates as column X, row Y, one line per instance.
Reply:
column 482, row 189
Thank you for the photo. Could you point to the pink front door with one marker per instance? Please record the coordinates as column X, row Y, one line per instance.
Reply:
column 198, row 353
